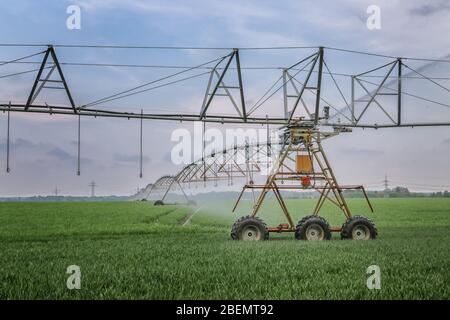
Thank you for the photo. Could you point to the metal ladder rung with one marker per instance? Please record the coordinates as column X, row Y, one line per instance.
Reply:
column 226, row 87
column 219, row 94
column 56, row 81
column 46, row 87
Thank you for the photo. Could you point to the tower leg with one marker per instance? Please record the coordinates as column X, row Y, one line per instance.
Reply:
column 303, row 165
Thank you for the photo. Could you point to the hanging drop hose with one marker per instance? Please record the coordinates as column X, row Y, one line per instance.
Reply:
column 7, row 139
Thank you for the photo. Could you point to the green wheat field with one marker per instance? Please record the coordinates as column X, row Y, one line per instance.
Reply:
column 134, row 250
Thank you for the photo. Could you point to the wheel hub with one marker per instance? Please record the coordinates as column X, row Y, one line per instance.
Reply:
column 314, row 232
column 361, row 232
column 251, row 233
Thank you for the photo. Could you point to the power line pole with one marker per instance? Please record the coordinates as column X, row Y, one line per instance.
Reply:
column 56, row 191
column 386, row 182
column 386, row 186
column 92, row 185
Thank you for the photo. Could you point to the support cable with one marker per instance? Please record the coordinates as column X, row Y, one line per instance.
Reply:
column 329, row 104
column 81, row 64
column 255, row 107
column 21, row 72
column 92, row 46
column 149, row 83
column 386, row 56
column 337, row 86
column 153, row 88
column 215, row 48
column 22, row 58
column 410, row 94
column 425, row 77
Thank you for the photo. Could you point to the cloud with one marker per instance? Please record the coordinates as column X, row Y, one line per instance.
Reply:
column 410, row 28
column 182, row 8
column 130, row 158
column 361, row 152
column 17, row 144
column 430, row 9
column 167, row 157
column 29, row 146
column 73, row 143
column 252, row 22
column 60, row 154
column 63, row 155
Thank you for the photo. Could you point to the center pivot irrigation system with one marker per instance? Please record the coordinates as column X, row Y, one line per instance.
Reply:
column 305, row 117
column 226, row 165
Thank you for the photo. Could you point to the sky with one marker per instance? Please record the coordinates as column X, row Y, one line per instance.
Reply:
column 44, row 148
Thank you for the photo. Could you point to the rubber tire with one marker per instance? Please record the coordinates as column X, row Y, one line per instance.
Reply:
column 158, row 203
column 303, row 224
column 192, row 203
column 246, row 221
column 347, row 227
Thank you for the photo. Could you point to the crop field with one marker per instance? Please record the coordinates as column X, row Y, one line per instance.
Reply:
column 134, row 250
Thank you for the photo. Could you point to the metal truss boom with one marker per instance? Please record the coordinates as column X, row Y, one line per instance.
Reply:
column 312, row 64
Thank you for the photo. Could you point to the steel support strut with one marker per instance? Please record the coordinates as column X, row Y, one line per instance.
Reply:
column 399, row 91
column 319, row 84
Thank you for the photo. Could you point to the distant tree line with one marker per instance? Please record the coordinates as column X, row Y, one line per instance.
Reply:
column 397, row 192
column 63, row 199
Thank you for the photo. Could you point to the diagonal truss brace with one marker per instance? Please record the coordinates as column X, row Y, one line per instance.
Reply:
column 220, row 84
column 289, row 79
column 377, row 92
column 318, row 58
column 40, row 83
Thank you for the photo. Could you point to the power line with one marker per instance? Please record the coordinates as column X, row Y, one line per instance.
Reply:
column 422, row 185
